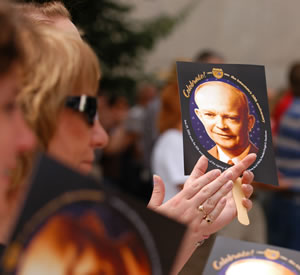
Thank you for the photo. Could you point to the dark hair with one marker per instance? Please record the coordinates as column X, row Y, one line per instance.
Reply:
column 294, row 78
column 10, row 51
column 205, row 55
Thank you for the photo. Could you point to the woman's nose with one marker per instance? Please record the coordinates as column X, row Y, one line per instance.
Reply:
column 99, row 135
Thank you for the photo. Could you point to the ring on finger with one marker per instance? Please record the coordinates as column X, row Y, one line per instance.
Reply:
column 197, row 244
column 208, row 219
column 201, row 209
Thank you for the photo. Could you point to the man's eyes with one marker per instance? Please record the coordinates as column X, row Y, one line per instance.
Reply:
column 235, row 119
column 210, row 115
column 230, row 118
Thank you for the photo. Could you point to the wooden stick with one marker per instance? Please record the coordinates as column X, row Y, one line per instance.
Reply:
column 238, row 195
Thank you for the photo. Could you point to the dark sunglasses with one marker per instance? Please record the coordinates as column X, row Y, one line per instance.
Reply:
column 87, row 105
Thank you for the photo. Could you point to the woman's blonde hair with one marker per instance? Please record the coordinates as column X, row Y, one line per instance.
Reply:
column 65, row 63
column 62, row 64
column 48, row 9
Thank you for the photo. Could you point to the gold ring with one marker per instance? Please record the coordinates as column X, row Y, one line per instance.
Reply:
column 201, row 209
column 208, row 219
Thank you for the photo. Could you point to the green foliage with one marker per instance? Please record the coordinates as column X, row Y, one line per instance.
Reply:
column 120, row 42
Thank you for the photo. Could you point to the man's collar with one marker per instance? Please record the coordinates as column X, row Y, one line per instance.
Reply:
column 223, row 157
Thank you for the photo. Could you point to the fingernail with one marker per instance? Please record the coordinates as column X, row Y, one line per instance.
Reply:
column 155, row 179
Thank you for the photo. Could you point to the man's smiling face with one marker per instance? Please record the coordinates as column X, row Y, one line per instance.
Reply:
column 222, row 110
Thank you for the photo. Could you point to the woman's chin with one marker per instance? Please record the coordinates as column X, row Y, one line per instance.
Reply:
column 85, row 168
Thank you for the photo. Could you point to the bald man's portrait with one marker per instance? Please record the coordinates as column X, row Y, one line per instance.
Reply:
column 224, row 112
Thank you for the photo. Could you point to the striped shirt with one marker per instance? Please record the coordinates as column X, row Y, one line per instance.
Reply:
column 288, row 144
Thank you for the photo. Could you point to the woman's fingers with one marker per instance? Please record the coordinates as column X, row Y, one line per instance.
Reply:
column 211, row 191
column 198, row 179
column 243, row 165
column 214, row 214
column 247, row 177
column 158, row 193
column 247, row 190
column 200, row 224
column 199, row 169
column 246, row 186
column 191, row 188
column 207, row 200
column 210, row 202
column 212, row 186
column 247, row 203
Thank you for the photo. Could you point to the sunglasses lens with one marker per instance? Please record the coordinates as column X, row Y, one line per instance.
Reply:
column 87, row 105
column 90, row 110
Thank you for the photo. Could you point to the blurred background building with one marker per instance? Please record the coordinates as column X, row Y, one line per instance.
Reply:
column 245, row 32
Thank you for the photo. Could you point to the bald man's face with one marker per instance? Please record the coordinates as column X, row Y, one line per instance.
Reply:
column 224, row 114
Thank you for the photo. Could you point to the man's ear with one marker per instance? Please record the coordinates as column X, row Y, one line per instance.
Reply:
column 198, row 114
column 251, row 119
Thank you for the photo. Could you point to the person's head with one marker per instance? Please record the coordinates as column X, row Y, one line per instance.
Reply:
column 169, row 116
column 294, row 79
column 53, row 13
column 15, row 136
column 209, row 56
column 114, row 110
column 224, row 112
column 146, row 92
column 59, row 99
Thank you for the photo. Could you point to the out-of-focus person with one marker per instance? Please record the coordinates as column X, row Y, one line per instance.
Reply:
column 15, row 135
column 209, row 56
column 284, row 206
column 283, row 101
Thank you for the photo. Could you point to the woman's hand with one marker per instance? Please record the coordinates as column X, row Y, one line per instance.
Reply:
column 230, row 211
column 212, row 190
column 209, row 190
